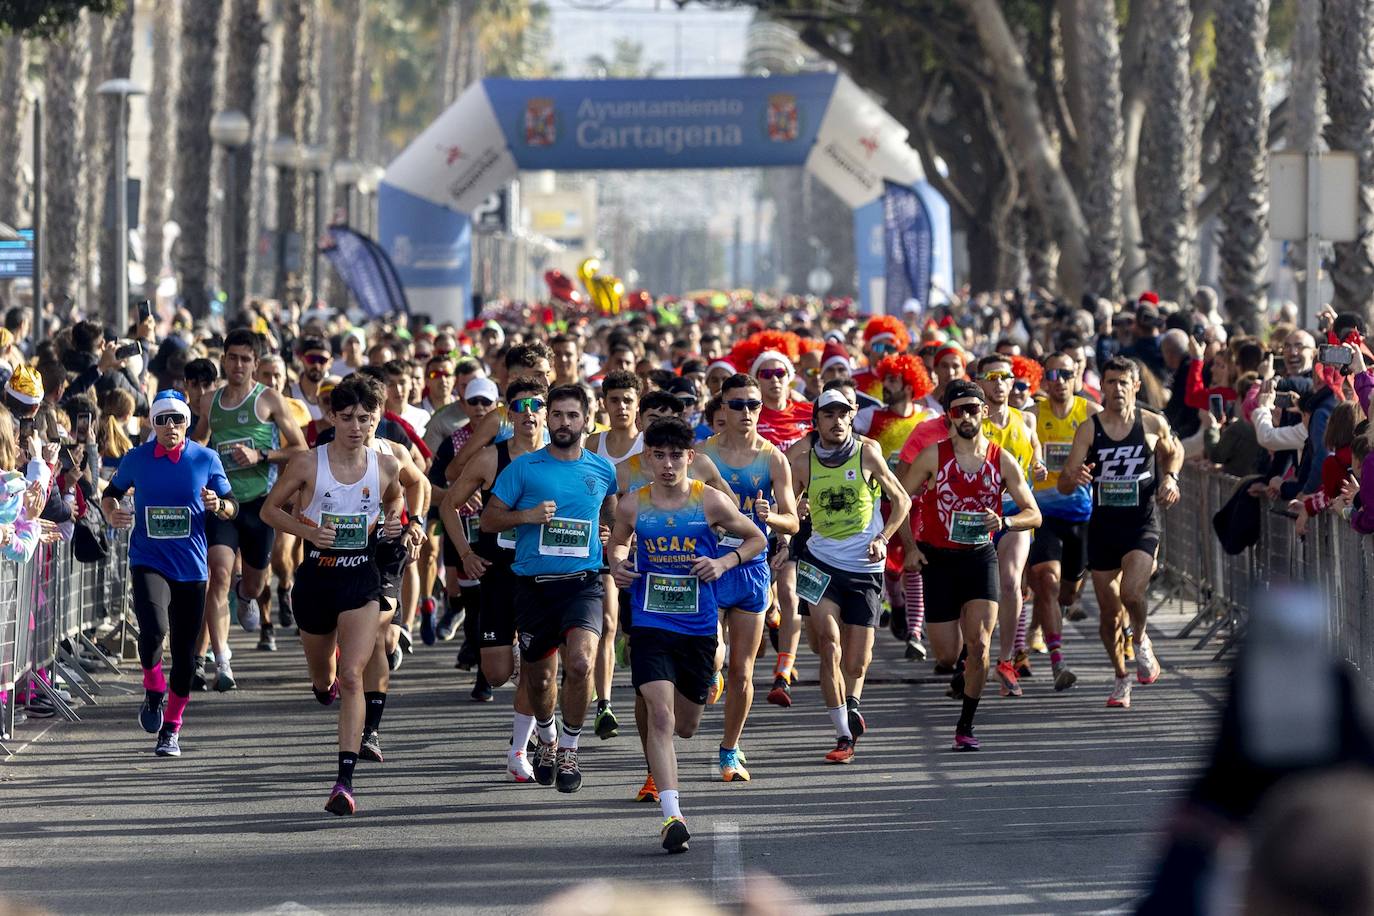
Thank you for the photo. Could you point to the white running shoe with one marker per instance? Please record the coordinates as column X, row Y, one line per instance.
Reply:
column 1121, row 693
column 250, row 615
column 518, row 767
column 1146, row 665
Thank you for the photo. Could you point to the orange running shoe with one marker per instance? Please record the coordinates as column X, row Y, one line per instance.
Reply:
column 843, row 752
column 647, row 792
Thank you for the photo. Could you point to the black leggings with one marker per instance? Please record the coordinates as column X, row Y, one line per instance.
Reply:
column 160, row 602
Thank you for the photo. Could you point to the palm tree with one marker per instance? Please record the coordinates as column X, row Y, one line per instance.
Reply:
column 161, row 134
column 1243, row 117
column 64, row 210
column 1306, row 102
column 119, row 53
column 347, row 92
column 244, row 37
column 1167, row 173
column 96, row 167
column 1101, row 145
column 14, row 111
column 292, row 117
column 1347, row 38
column 190, row 204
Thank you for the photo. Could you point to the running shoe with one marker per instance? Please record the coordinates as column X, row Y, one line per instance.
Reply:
column 449, row 624
column 1007, row 675
column 341, row 800
column 394, row 659
column 371, row 748
column 773, row 618
column 884, row 617
column 942, row 670
column 267, row 640
column 469, row 657
column 622, row 651
column 716, row 690
column 1063, row 678
column 781, row 694
column 481, row 691
column 1146, row 665
column 1121, row 693
column 427, row 633
column 403, row 640
column 286, row 617
column 964, row 739
column 1037, row 641
column 518, row 766
column 150, row 713
column 1128, row 644
column 250, row 615
column 168, row 743
column 732, row 765
column 915, row 650
column 1021, row 662
column 1075, row 613
column 607, row 725
column 198, row 681
column 898, row 626
column 326, row 697
column 647, row 792
column 843, row 752
column 955, row 690
column 675, row 835
column 857, row 726
column 569, row 776
column 224, row 679
column 545, row 763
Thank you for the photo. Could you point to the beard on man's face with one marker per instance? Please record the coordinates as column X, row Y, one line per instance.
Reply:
column 563, row 437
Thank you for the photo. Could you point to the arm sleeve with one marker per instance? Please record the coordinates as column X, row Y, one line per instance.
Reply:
column 1364, row 384
column 1362, row 518
column 510, row 484
column 123, row 476
column 1277, row 439
column 1333, row 476
column 1194, row 392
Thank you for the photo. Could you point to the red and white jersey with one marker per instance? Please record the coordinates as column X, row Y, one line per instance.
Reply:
column 956, row 499
column 786, row 426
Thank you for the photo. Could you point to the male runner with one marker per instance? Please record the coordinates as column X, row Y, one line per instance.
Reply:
column 316, row 359
column 674, row 599
column 754, row 469
column 959, row 513
column 559, row 497
column 840, row 567
column 487, row 559
column 1058, row 555
column 1130, row 458
column 1013, row 431
column 286, row 550
column 253, row 430
column 344, row 488
column 176, row 485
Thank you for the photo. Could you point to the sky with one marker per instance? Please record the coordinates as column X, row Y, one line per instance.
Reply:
column 695, row 41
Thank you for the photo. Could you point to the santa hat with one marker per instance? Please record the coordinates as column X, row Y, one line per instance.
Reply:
column 765, row 356
column 1149, row 296
column 949, row 348
column 834, row 353
column 722, row 364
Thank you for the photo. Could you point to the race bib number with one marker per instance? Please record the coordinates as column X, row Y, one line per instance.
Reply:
column 968, row 528
column 472, row 526
column 1056, row 453
column 506, row 539
column 811, row 583
column 664, row 594
column 1119, row 493
column 226, row 452
column 729, row 542
column 565, row 537
column 350, row 531
column 167, row 522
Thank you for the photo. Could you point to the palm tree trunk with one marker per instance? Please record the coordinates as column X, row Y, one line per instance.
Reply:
column 292, row 122
column 348, row 89
column 64, row 210
column 244, row 37
column 14, row 111
column 1238, row 85
column 1168, row 176
column 194, row 152
column 1306, row 106
column 1347, row 38
column 1101, row 144
column 95, row 171
column 161, row 136
column 119, row 54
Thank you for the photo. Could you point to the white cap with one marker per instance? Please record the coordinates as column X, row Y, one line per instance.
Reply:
column 482, row 388
column 832, row 397
column 170, row 401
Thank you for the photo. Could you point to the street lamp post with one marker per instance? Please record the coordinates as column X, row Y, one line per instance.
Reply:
column 347, row 174
column 231, row 130
column 317, row 159
column 121, row 89
column 283, row 154
column 375, row 175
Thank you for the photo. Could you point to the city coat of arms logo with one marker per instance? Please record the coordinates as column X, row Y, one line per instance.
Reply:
column 541, row 125
column 782, row 117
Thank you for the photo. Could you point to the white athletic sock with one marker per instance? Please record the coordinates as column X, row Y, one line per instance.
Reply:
column 520, row 732
column 546, row 731
column 222, row 657
column 568, row 737
column 667, row 798
column 840, row 717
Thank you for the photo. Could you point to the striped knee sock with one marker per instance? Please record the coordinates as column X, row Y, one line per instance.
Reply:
column 1022, row 625
column 1052, row 641
column 915, row 593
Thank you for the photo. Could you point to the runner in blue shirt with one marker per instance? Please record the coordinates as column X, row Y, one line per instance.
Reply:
column 559, row 499
column 176, row 483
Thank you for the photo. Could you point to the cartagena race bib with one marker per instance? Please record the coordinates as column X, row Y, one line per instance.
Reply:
column 166, row 522
column 1118, row 493
column 729, row 542
column 226, row 452
column 1056, row 453
column 565, row 537
column 664, row 594
column 811, row 583
column 968, row 528
column 350, row 531
column 472, row 526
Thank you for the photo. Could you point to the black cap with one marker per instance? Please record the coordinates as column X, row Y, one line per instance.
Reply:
column 959, row 389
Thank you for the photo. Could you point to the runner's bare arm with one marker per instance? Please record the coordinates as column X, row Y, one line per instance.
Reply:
column 1019, row 490
column 201, row 433
column 922, row 469
column 799, row 465
column 292, row 439
column 705, row 470
column 393, row 494
column 621, row 532
column 295, row 485
column 721, row 510
column 1168, row 458
column 782, row 515
column 483, row 434
column 873, row 464
column 476, row 475
column 1070, row 476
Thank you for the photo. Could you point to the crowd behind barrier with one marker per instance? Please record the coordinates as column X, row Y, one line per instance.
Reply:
column 51, row 611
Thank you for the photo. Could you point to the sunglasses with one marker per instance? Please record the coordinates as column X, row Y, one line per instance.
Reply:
column 997, row 376
column 169, row 419
column 772, row 373
column 480, row 402
column 742, row 404
column 966, row 410
column 527, row 405
column 423, row 357
column 1058, row 375
column 437, row 373
column 315, row 359
column 1019, row 386
column 928, row 351
column 880, row 349
column 811, row 372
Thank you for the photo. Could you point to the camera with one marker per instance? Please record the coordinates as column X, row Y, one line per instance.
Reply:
column 1334, row 355
column 132, row 348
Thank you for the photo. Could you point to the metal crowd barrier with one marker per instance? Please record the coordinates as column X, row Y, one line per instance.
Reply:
column 51, row 608
column 1332, row 558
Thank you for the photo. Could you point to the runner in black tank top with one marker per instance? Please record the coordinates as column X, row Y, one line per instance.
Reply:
column 1124, row 486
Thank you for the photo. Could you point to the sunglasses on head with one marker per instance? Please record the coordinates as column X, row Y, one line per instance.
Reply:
column 437, row 373
column 997, row 375
column 480, row 402
column 169, row 419
column 527, row 405
column 965, row 410
column 743, row 404
column 772, row 373
column 1058, row 375
column 314, row 359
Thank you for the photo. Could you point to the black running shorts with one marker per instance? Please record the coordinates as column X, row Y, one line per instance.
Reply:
column 859, row 596
column 496, row 617
column 321, row 594
column 547, row 607
column 391, row 562
column 689, row 662
column 246, row 532
column 952, row 577
column 1108, row 545
column 1060, row 541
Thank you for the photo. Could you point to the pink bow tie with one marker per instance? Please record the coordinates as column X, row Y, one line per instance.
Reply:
column 174, row 455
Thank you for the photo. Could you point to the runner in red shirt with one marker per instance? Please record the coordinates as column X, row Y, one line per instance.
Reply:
column 884, row 335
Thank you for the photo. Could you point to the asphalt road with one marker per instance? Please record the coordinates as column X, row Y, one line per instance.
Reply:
column 1060, row 812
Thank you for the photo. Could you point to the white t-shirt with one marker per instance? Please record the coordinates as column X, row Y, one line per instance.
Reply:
column 417, row 417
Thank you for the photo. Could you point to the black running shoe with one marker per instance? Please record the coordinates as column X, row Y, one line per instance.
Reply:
column 955, row 691
column 897, row 623
column 448, row 625
column 469, row 656
column 545, row 762
column 427, row 634
column 198, row 680
column 675, row 835
column 371, row 748
column 285, row 616
column 267, row 640
column 150, row 713
column 404, row 641
column 857, row 725
column 884, row 617
column 168, row 744
column 394, row 658
column 481, row 691
column 569, row 776
column 942, row 670
column 607, row 726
